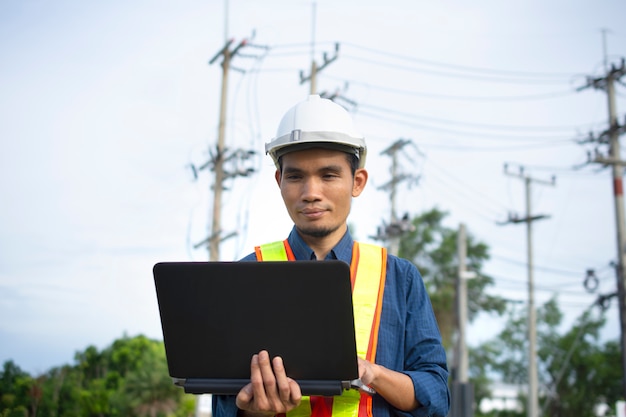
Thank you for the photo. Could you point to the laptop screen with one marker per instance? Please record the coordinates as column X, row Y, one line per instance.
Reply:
column 216, row 315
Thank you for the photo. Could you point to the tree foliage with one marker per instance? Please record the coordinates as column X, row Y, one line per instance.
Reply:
column 577, row 372
column 432, row 247
column 128, row 378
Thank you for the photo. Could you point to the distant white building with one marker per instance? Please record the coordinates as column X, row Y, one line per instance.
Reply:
column 203, row 405
column 503, row 397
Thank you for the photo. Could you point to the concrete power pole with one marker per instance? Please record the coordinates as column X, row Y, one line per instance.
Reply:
column 462, row 390
column 533, row 380
column 315, row 69
column 393, row 231
column 462, row 361
column 611, row 138
column 221, row 155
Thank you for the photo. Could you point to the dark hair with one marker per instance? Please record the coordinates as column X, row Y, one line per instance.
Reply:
column 353, row 161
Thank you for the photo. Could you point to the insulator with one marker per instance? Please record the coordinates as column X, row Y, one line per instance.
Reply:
column 591, row 282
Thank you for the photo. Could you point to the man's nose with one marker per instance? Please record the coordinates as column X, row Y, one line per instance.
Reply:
column 312, row 189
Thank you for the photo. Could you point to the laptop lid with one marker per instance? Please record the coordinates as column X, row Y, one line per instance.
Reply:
column 216, row 315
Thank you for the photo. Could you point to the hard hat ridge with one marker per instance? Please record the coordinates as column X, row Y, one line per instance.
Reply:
column 317, row 122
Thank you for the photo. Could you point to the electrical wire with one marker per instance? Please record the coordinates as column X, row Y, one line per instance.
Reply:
column 483, row 74
column 412, row 116
column 470, row 193
column 522, row 284
column 483, row 71
column 440, row 73
column 445, row 144
column 438, row 96
column 558, row 169
column 254, row 123
column 558, row 271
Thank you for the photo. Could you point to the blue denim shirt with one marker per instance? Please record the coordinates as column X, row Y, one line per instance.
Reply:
column 408, row 338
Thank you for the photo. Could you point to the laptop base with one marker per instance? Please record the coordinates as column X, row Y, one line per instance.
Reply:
column 233, row 386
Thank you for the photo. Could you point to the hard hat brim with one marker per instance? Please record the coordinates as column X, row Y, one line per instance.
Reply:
column 299, row 140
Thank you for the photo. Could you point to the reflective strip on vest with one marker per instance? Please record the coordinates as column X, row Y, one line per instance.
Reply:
column 275, row 251
column 367, row 274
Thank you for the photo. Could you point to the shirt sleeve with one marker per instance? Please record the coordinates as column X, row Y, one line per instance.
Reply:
column 424, row 354
column 224, row 406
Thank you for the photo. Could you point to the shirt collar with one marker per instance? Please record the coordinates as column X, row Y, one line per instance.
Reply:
column 302, row 251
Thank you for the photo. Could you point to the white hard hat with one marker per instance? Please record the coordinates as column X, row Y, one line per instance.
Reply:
column 316, row 122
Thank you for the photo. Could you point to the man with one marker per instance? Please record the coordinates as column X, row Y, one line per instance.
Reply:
column 320, row 161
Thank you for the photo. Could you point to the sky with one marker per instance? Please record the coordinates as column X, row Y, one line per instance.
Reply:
column 106, row 106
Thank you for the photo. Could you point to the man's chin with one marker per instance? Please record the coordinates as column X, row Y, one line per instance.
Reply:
column 316, row 232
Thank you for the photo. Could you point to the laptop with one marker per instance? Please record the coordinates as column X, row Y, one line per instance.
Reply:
column 216, row 315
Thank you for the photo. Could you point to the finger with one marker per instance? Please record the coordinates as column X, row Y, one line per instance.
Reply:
column 257, row 384
column 295, row 393
column 244, row 397
column 282, row 382
column 289, row 390
column 267, row 399
column 267, row 372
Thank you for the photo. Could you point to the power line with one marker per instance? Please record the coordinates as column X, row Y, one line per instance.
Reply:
column 470, row 192
column 575, row 170
column 438, row 96
column 436, row 64
column 468, row 134
column 439, row 73
column 466, row 68
column 539, row 268
column 252, row 111
column 474, row 125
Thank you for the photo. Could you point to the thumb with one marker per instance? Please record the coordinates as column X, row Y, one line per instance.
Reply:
column 244, row 396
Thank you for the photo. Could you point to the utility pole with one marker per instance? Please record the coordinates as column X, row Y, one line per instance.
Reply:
column 533, row 380
column 462, row 389
column 610, row 137
column 222, row 155
column 397, row 227
column 462, row 355
column 315, row 69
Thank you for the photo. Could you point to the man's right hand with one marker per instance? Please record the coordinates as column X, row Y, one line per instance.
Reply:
column 270, row 390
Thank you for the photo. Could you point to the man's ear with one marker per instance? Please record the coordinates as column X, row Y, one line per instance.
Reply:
column 277, row 177
column 360, row 179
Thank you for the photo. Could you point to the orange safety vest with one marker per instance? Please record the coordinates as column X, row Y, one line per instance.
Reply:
column 367, row 274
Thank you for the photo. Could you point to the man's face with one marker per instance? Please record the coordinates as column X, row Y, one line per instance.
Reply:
column 317, row 187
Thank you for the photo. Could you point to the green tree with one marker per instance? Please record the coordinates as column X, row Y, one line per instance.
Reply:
column 432, row 247
column 576, row 371
column 61, row 392
column 16, row 396
column 129, row 378
column 150, row 389
column 128, row 353
column 580, row 372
